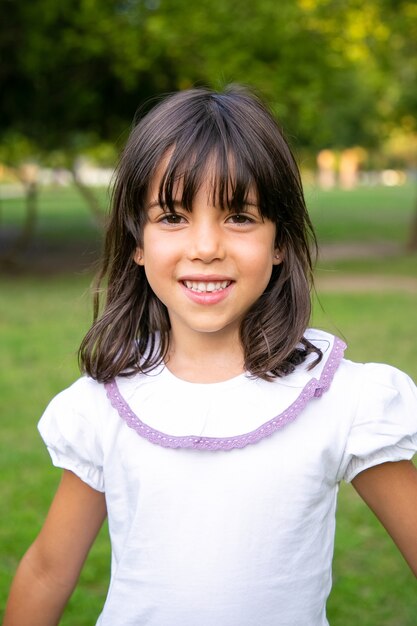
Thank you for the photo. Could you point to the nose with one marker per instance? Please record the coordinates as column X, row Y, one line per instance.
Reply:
column 206, row 241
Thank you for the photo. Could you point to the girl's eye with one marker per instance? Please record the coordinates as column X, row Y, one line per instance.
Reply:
column 172, row 218
column 241, row 218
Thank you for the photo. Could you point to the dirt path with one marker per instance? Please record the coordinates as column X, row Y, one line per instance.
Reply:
column 359, row 250
column 328, row 280
column 365, row 283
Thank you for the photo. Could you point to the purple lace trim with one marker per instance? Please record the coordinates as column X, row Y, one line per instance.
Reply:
column 314, row 388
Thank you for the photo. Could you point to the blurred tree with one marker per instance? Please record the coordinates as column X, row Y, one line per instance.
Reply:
column 401, row 60
column 85, row 65
column 291, row 51
column 71, row 67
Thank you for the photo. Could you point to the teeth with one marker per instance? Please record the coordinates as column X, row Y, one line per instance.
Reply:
column 206, row 287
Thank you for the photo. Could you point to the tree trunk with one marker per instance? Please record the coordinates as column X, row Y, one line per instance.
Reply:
column 28, row 228
column 27, row 233
column 91, row 199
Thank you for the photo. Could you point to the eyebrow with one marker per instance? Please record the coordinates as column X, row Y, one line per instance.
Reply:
column 156, row 204
column 177, row 203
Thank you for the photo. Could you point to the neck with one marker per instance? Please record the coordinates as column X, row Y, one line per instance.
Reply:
column 206, row 358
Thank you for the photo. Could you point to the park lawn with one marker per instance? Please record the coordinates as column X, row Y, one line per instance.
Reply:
column 41, row 324
column 373, row 213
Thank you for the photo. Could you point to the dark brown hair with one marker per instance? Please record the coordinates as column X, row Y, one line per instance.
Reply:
column 235, row 131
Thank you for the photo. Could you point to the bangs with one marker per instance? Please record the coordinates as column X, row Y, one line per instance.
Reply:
column 217, row 154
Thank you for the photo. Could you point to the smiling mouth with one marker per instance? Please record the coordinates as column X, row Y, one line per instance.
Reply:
column 209, row 287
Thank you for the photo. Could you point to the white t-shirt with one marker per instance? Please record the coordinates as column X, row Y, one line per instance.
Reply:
column 221, row 497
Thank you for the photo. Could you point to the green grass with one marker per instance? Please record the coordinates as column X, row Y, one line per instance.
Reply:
column 42, row 320
column 363, row 214
column 376, row 327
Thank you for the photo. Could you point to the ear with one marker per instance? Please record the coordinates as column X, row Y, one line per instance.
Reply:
column 278, row 257
column 138, row 256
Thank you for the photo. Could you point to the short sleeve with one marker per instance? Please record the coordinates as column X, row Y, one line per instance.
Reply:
column 70, row 433
column 385, row 424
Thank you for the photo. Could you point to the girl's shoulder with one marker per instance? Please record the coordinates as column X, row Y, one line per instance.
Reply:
column 75, row 412
column 72, row 428
column 81, row 394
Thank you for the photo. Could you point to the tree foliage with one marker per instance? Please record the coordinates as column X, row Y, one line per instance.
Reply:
column 337, row 72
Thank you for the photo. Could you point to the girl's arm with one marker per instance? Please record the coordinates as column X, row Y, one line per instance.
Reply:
column 390, row 490
column 50, row 568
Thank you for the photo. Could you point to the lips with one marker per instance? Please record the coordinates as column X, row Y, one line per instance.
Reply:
column 206, row 290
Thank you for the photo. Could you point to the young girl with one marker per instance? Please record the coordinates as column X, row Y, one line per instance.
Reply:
column 212, row 426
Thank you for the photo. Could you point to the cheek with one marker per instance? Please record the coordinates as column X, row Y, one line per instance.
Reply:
column 258, row 256
column 157, row 249
column 160, row 258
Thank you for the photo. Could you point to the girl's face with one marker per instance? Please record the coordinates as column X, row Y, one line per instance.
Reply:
column 207, row 266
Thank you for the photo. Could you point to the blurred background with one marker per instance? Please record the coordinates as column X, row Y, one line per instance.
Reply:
column 340, row 75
